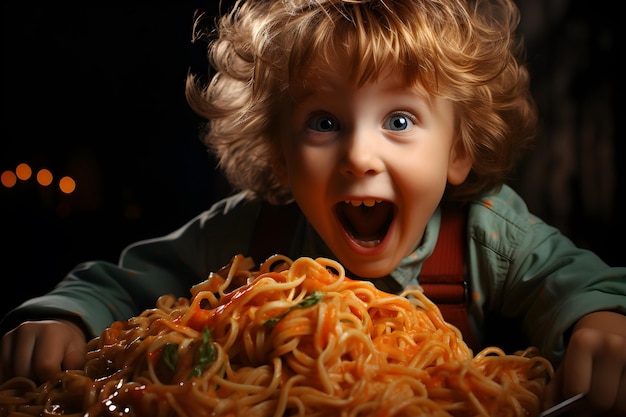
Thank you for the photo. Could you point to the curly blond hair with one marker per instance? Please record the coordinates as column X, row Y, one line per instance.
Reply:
column 467, row 51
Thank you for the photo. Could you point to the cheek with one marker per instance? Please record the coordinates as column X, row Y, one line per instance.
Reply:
column 422, row 171
column 308, row 179
column 308, row 164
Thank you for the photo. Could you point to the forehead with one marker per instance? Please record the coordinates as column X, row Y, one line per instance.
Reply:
column 343, row 53
column 337, row 76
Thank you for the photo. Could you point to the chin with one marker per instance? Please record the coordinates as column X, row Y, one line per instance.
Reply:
column 370, row 270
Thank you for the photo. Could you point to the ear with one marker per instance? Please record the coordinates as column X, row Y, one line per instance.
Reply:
column 459, row 165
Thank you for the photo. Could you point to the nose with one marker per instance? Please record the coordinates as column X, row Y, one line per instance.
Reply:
column 362, row 154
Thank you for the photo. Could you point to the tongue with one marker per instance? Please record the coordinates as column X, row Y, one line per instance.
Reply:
column 366, row 223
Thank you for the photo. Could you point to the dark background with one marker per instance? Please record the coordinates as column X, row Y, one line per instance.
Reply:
column 97, row 92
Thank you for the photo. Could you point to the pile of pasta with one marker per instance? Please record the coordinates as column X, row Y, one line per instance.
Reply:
column 293, row 338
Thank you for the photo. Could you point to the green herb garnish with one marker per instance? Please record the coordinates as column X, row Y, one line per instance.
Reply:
column 206, row 354
column 308, row 301
column 170, row 355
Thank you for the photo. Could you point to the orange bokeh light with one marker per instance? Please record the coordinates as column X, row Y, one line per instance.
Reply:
column 8, row 179
column 23, row 171
column 67, row 185
column 44, row 177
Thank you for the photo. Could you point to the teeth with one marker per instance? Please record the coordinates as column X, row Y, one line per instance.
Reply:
column 369, row 202
column 368, row 243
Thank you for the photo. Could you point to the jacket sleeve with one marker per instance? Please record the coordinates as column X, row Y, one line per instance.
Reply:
column 97, row 293
column 538, row 276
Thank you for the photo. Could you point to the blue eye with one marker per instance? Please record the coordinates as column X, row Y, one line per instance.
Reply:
column 398, row 122
column 323, row 124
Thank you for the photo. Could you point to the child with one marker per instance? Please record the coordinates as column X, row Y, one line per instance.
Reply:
column 371, row 116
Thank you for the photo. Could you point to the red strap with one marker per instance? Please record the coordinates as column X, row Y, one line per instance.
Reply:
column 443, row 272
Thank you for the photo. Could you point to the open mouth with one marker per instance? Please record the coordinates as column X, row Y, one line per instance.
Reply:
column 366, row 221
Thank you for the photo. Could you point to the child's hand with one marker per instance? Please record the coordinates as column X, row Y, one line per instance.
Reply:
column 40, row 349
column 594, row 363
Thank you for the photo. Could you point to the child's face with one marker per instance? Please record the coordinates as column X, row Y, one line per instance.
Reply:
column 368, row 166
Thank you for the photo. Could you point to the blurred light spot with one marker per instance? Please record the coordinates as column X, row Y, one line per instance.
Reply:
column 23, row 171
column 8, row 179
column 44, row 177
column 67, row 185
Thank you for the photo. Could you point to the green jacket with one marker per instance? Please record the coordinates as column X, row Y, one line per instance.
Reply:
column 524, row 275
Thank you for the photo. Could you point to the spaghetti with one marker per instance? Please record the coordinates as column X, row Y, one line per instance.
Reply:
column 297, row 340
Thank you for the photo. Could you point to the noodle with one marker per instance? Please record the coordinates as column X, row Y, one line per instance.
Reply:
column 298, row 340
